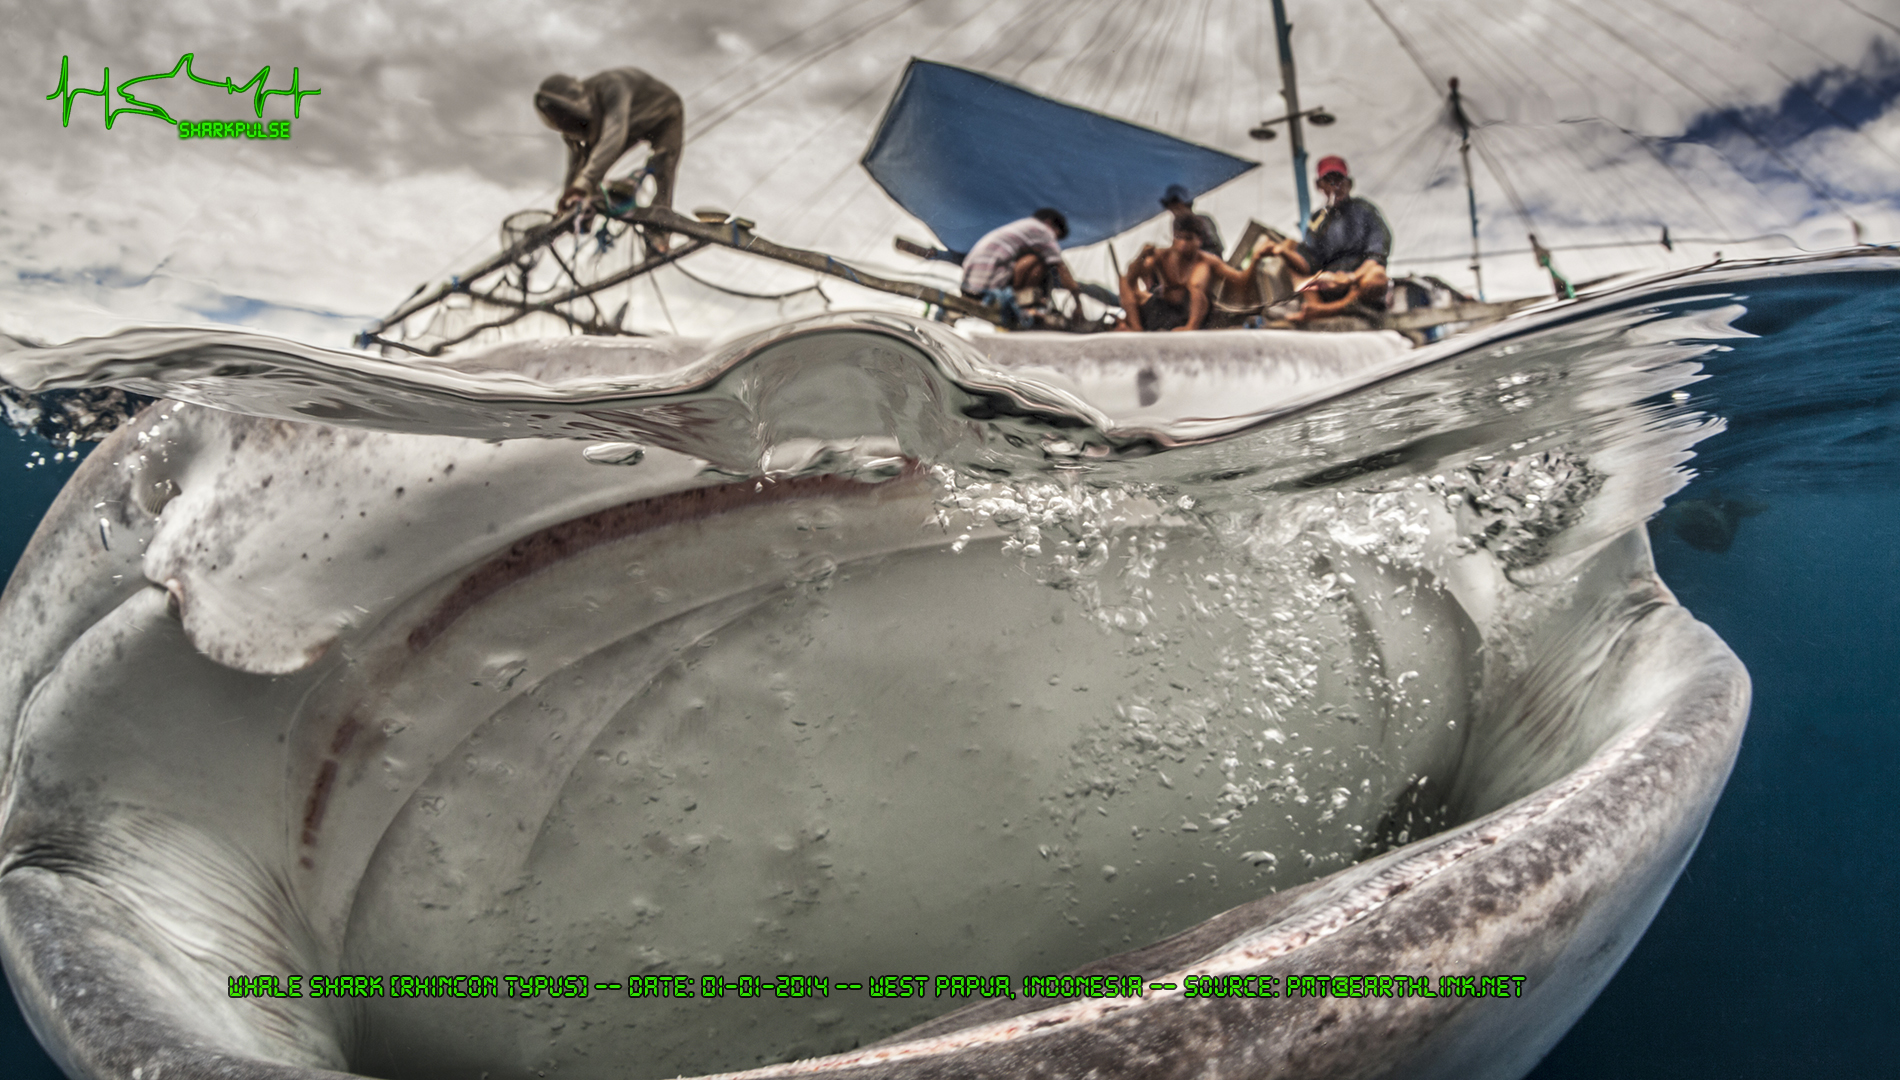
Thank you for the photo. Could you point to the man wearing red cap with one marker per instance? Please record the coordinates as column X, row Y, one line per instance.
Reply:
column 1345, row 249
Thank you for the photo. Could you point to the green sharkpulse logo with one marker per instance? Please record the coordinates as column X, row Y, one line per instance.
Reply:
column 203, row 129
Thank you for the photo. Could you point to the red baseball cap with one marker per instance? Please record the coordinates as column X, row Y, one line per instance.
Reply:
column 1332, row 163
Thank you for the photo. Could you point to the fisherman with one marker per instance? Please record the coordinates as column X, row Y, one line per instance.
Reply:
column 1177, row 201
column 1167, row 288
column 601, row 118
column 1015, row 256
column 1345, row 249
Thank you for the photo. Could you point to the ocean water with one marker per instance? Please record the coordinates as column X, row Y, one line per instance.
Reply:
column 1770, row 956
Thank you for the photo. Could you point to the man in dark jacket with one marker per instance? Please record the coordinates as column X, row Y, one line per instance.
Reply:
column 604, row 116
column 1345, row 249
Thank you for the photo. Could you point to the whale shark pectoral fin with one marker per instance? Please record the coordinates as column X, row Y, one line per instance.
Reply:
column 127, row 933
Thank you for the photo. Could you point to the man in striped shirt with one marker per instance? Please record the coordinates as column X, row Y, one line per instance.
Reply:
column 1018, row 255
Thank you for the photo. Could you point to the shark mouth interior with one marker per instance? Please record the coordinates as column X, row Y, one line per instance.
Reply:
column 879, row 658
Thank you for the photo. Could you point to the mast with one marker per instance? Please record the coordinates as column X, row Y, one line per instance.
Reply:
column 1471, row 192
column 1283, row 31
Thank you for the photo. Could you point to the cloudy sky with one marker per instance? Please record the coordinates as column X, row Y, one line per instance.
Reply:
column 1607, row 120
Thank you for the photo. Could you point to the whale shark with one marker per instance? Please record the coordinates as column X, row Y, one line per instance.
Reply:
column 852, row 699
column 1709, row 524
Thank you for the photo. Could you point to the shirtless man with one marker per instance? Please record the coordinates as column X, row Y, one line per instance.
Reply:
column 1167, row 288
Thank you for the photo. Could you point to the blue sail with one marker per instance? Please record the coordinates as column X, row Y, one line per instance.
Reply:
column 965, row 152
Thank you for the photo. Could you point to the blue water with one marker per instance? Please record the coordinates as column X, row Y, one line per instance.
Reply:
column 1774, row 955
column 24, row 496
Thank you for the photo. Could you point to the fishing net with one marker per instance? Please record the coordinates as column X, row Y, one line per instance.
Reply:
column 599, row 275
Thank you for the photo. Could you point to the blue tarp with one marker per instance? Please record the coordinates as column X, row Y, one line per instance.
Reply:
column 965, row 152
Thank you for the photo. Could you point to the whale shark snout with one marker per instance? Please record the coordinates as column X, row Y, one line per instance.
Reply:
column 1350, row 795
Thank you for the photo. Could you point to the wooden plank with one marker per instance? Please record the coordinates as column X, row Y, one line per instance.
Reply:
column 738, row 236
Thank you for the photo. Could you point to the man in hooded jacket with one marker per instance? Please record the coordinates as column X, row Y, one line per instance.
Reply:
column 604, row 116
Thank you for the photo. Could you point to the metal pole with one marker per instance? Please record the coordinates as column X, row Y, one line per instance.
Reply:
column 1283, row 30
column 1471, row 193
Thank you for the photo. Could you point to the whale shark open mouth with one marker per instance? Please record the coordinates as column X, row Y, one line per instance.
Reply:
column 1310, row 704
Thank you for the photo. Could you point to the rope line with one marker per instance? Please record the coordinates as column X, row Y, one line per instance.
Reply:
column 1710, row 102
column 1411, row 50
column 766, row 86
column 1605, row 245
column 1895, row 27
column 730, row 291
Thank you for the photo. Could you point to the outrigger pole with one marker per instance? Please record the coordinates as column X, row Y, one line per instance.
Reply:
column 1471, row 192
column 734, row 233
column 1290, row 90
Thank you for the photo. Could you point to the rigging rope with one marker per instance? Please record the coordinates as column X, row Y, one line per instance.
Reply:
column 730, row 291
column 830, row 185
column 1608, row 245
column 751, row 62
column 1483, row 54
column 1411, row 50
column 1895, row 27
column 1793, row 83
column 1058, row 87
column 1055, row 18
column 1713, row 107
column 733, row 107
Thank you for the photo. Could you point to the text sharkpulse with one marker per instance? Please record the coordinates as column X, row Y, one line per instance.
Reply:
column 234, row 129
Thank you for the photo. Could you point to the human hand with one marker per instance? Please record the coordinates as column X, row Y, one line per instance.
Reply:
column 572, row 197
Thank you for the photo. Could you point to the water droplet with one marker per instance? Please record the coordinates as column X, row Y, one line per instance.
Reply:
column 615, row 453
